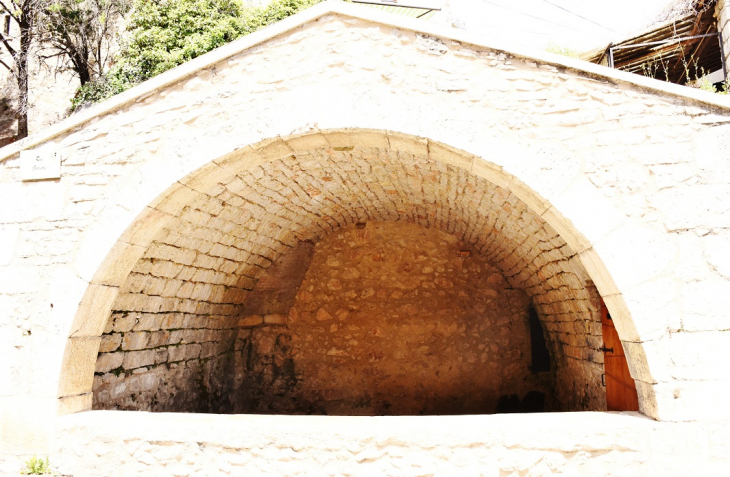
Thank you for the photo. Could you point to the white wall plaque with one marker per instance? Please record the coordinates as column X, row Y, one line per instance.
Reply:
column 38, row 165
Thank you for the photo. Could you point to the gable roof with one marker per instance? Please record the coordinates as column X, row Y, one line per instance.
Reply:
column 334, row 7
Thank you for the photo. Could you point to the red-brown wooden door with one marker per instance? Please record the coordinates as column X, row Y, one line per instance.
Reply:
column 620, row 387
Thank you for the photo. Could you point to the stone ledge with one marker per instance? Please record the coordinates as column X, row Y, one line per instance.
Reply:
column 455, row 445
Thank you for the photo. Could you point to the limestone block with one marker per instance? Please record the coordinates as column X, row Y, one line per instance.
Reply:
column 148, row 322
column 14, row 280
column 698, row 205
column 362, row 138
column 687, row 401
column 599, row 274
column 158, row 338
column 407, row 143
column 175, row 353
column 275, row 319
column 449, row 155
column 145, row 227
column 108, row 361
column 135, row 340
column 99, row 239
column 208, row 178
column 242, row 159
column 77, row 368
column 652, row 307
column 706, row 305
column 306, row 141
column 567, row 230
column 591, row 212
column 715, row 251
column 648, row 360
column 174, row 199
column 651, row 254
column 272, row 149
column 110, row 342
column 192, row 351
column 137, row 359
column 250, row 321
column 74, row 404
column 115, row 268
column 700, row 355
column 66, row 292
column 94, row 310
column 208, row 349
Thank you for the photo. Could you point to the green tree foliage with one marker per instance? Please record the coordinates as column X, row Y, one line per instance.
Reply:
column 162, row 34
column 81, row 32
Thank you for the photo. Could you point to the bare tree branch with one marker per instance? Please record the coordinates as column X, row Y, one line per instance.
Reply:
column 6, row 42
column 9, row 11
column 8, row 67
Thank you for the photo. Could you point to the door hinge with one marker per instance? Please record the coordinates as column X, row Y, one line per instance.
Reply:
column 603, row 380
column 604, row 349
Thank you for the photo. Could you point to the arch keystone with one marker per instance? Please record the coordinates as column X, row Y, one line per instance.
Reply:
column 417, row 146
column 306, row 141
column 356, row 138
column 274, row 148
column 450, row 155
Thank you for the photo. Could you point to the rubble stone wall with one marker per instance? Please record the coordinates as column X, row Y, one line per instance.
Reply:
column 395, row 319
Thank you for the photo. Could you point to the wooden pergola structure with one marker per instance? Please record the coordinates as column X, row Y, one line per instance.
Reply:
column 680, row 50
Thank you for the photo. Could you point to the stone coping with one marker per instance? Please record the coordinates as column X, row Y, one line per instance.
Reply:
column 556, row 430
column 336, row 7
column 565, row 432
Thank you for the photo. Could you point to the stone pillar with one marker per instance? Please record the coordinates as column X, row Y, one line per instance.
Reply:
column 722, row 13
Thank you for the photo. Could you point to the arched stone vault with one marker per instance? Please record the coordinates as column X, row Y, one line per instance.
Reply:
column 201, row 246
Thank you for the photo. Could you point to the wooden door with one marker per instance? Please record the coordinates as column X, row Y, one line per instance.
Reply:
column 620, row 387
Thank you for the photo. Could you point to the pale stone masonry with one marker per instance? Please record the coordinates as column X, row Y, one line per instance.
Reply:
column 175, row 198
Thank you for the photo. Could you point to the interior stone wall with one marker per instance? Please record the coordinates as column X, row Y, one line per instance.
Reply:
column 208, row 276
column 396, row 319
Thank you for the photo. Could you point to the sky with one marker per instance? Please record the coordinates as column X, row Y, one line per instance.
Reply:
column 537, row 23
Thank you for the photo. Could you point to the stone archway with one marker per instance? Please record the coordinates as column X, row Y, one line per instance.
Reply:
column 305, row 187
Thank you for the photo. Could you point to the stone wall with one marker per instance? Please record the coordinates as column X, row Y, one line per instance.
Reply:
column 395, row 319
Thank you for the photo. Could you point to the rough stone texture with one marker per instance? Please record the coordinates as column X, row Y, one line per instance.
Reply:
column 515, row 445
column 391, row 319
column 274, row 293
column 625, row 169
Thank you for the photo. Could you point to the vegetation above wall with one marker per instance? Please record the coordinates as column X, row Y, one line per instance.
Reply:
column 162, row 34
